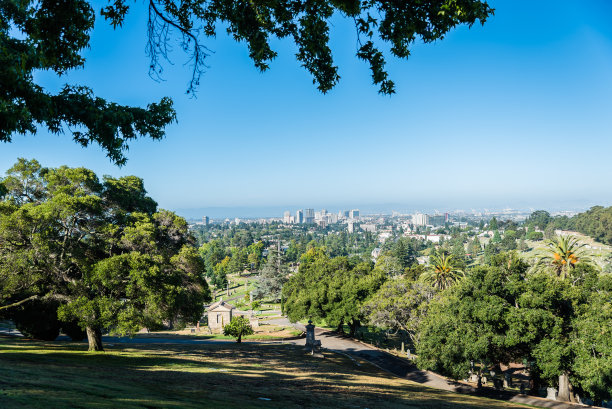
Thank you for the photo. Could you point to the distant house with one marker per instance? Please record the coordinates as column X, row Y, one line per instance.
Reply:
column 219, row 314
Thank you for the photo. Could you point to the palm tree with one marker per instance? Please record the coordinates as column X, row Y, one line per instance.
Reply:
column 562, row 254
column 442, row 272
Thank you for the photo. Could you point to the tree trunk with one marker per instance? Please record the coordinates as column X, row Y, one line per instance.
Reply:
column 354, row 325
column 573, row 394
column 94, row 338
column 564, row 388
column 239, row 340
column 340, row 328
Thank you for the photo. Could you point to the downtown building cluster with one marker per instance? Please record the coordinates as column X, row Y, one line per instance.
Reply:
column 321, row 218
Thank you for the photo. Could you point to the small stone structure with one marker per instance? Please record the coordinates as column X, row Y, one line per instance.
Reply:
column 219, row 315
column 253, row 321
column 312, row 344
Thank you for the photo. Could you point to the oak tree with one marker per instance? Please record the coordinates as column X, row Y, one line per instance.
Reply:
column 100, row 248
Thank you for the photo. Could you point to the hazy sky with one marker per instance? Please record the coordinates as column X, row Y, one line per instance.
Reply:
column 515, row 113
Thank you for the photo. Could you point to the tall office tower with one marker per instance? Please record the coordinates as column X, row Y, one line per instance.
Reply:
column 445, row 217
column 205, row 220
column 354, row 214
column 346, row 213
column 351, row 227
column 323, row 212
column 437, row 220
column 299, row 216
column 287, row 217
column 309, row 216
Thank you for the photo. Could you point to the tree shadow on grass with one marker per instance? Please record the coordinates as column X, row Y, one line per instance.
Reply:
column 222, row 376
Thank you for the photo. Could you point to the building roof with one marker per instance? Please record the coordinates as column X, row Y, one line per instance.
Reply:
column 220, row 305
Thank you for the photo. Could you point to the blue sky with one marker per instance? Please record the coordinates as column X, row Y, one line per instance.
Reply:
column 516, row 113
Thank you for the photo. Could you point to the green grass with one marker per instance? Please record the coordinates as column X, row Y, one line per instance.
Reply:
column 269, row 314
column 64, row 375
column 220, row 336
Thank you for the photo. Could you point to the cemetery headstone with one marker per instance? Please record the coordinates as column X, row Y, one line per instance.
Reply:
column 507, row 380
column 310, row 336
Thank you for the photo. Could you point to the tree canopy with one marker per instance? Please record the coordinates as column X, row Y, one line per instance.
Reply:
column 501, row 313
column 52, row 35
column 238, row 327
column 99, row 248
column 272, row 277
column 330, row 289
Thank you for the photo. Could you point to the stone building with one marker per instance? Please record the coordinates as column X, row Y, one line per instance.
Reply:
column 219, row 315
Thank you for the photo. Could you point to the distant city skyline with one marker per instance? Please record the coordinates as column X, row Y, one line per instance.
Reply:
column 279, row 212
column 515, row 113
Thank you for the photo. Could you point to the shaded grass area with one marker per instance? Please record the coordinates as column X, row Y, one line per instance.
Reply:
column 59, row 375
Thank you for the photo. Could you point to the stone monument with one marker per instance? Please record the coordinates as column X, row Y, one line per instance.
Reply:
column 311, row 343
column 310, row 335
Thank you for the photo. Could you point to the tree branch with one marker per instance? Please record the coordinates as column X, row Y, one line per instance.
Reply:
column 18, row 303
column 157, row 44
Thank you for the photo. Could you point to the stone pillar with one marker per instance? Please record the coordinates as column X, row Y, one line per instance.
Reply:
column 310, row 335
column 507, row 380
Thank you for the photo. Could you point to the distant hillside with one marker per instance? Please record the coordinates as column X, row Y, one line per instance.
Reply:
column 595, row 222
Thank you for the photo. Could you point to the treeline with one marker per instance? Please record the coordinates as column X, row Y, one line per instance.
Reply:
column 595, row 222
column 234, row 249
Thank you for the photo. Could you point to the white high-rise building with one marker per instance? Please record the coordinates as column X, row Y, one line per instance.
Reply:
column 287, row 217
column 354, row 214
column 420, row 219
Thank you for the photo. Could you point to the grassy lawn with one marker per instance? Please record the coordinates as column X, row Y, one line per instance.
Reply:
column 264, row 332
column 58, row 375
